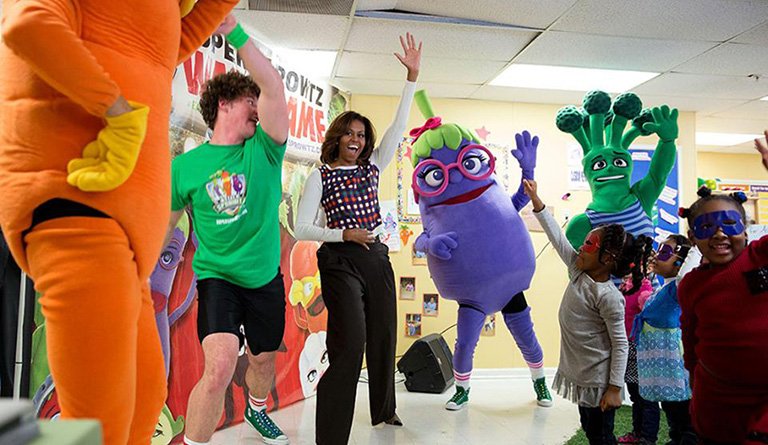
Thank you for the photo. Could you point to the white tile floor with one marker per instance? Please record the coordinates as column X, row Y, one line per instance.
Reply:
column 502, row 410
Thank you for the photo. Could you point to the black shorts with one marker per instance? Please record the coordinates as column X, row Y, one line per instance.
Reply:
column 223, row 307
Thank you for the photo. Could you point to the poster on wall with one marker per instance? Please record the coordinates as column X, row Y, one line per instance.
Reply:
column 430, row 305
column 407, row 288
column 664, row 215
column 577, row 180
column 302, row 357
column 388, row 231
column 413, row 325
column 489, row 326
column 756, row 206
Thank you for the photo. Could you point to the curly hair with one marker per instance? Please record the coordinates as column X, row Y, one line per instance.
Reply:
column 228, row 86
column 329, row 151
column 705, row 195
column 631, row 254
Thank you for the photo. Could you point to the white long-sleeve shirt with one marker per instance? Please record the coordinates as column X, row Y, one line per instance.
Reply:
column 311, row 223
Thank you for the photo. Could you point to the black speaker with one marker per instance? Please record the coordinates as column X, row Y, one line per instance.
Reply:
column 427, row 365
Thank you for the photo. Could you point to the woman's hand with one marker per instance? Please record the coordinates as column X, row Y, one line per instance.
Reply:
column 411, row 58
column 359, row 236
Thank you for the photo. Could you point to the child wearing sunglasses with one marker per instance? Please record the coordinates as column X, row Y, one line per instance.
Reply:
column 593, row 346
column 725, row 323
column 656, row 332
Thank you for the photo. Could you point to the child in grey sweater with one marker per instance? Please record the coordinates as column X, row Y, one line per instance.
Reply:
column 593, row 347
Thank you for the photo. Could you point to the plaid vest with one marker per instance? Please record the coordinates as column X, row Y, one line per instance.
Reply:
column 350, row 197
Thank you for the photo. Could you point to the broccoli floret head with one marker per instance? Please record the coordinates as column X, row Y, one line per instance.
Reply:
column 627, row 105
column 597, row 102
column 569, row 119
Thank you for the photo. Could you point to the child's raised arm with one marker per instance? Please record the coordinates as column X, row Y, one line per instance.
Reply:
column 551, row 228
column 761, row 145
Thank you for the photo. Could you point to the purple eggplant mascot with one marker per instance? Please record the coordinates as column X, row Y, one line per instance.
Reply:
column 479, row 252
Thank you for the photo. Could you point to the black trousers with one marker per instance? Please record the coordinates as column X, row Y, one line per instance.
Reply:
column 598, row 425
column 359, row 293
column 681, row 431
column 645, row 414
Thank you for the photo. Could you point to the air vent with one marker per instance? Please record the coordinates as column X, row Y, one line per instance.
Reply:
column 330, row 7
column 399, row 15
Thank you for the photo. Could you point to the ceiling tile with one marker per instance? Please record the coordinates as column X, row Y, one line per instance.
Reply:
column 756, row 36
column 440, row 40
column 697, row 85
column 701, row 105
column 756, row 109
column 292, row 31
column 734, row 59
column 528, row 95
column 724, row 124
column 538, row 14
column 433, row 69
column 708, row 20
column 395, row 87
column 375, row 5
column 621, row 53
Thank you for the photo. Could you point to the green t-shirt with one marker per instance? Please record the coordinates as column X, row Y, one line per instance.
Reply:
column 234, row 192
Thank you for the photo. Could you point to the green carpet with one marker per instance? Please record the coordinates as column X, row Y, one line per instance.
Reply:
column 623, row 425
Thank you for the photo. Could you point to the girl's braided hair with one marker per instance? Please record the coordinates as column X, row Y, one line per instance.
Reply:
column 631, row 254
column 706, row 195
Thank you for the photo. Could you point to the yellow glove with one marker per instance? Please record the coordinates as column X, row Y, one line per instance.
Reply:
column 108, row 161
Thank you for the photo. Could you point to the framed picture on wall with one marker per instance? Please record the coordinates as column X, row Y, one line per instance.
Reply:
column 418, row 258
column 407, row 288
column 413, row 325
column 430, row 305
column 489, row 327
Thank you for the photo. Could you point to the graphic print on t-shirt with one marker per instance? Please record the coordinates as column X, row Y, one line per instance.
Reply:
column 227, row 192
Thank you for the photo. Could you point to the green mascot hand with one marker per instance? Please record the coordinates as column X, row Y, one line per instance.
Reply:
column 108, row 161
column 664, row 123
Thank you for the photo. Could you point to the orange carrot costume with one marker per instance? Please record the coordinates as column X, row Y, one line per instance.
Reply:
column 63, row 63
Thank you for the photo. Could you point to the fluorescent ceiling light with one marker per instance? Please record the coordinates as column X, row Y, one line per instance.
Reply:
column 315, row 64
column 724, row 139
column 547, row 77
column 765, row 98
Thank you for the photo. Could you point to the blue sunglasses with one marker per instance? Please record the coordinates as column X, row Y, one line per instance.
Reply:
column 707, row 224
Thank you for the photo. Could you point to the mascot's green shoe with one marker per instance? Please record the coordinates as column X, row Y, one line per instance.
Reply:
column 459, row 400
column 543, row 397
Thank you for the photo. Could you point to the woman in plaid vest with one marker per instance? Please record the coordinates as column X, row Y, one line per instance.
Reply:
column 340, row 206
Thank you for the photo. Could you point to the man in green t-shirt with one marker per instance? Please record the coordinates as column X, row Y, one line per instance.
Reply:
column 232, row 185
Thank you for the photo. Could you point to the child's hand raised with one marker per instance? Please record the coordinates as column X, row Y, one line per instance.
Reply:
column 761, row 145
column 531, row 190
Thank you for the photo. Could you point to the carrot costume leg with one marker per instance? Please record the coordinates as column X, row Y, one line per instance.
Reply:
column 97, row 321
column 151, row 390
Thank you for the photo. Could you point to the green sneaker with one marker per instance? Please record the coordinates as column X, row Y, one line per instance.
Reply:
column 543, row 397
column 459, row 400
column 269, row 432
